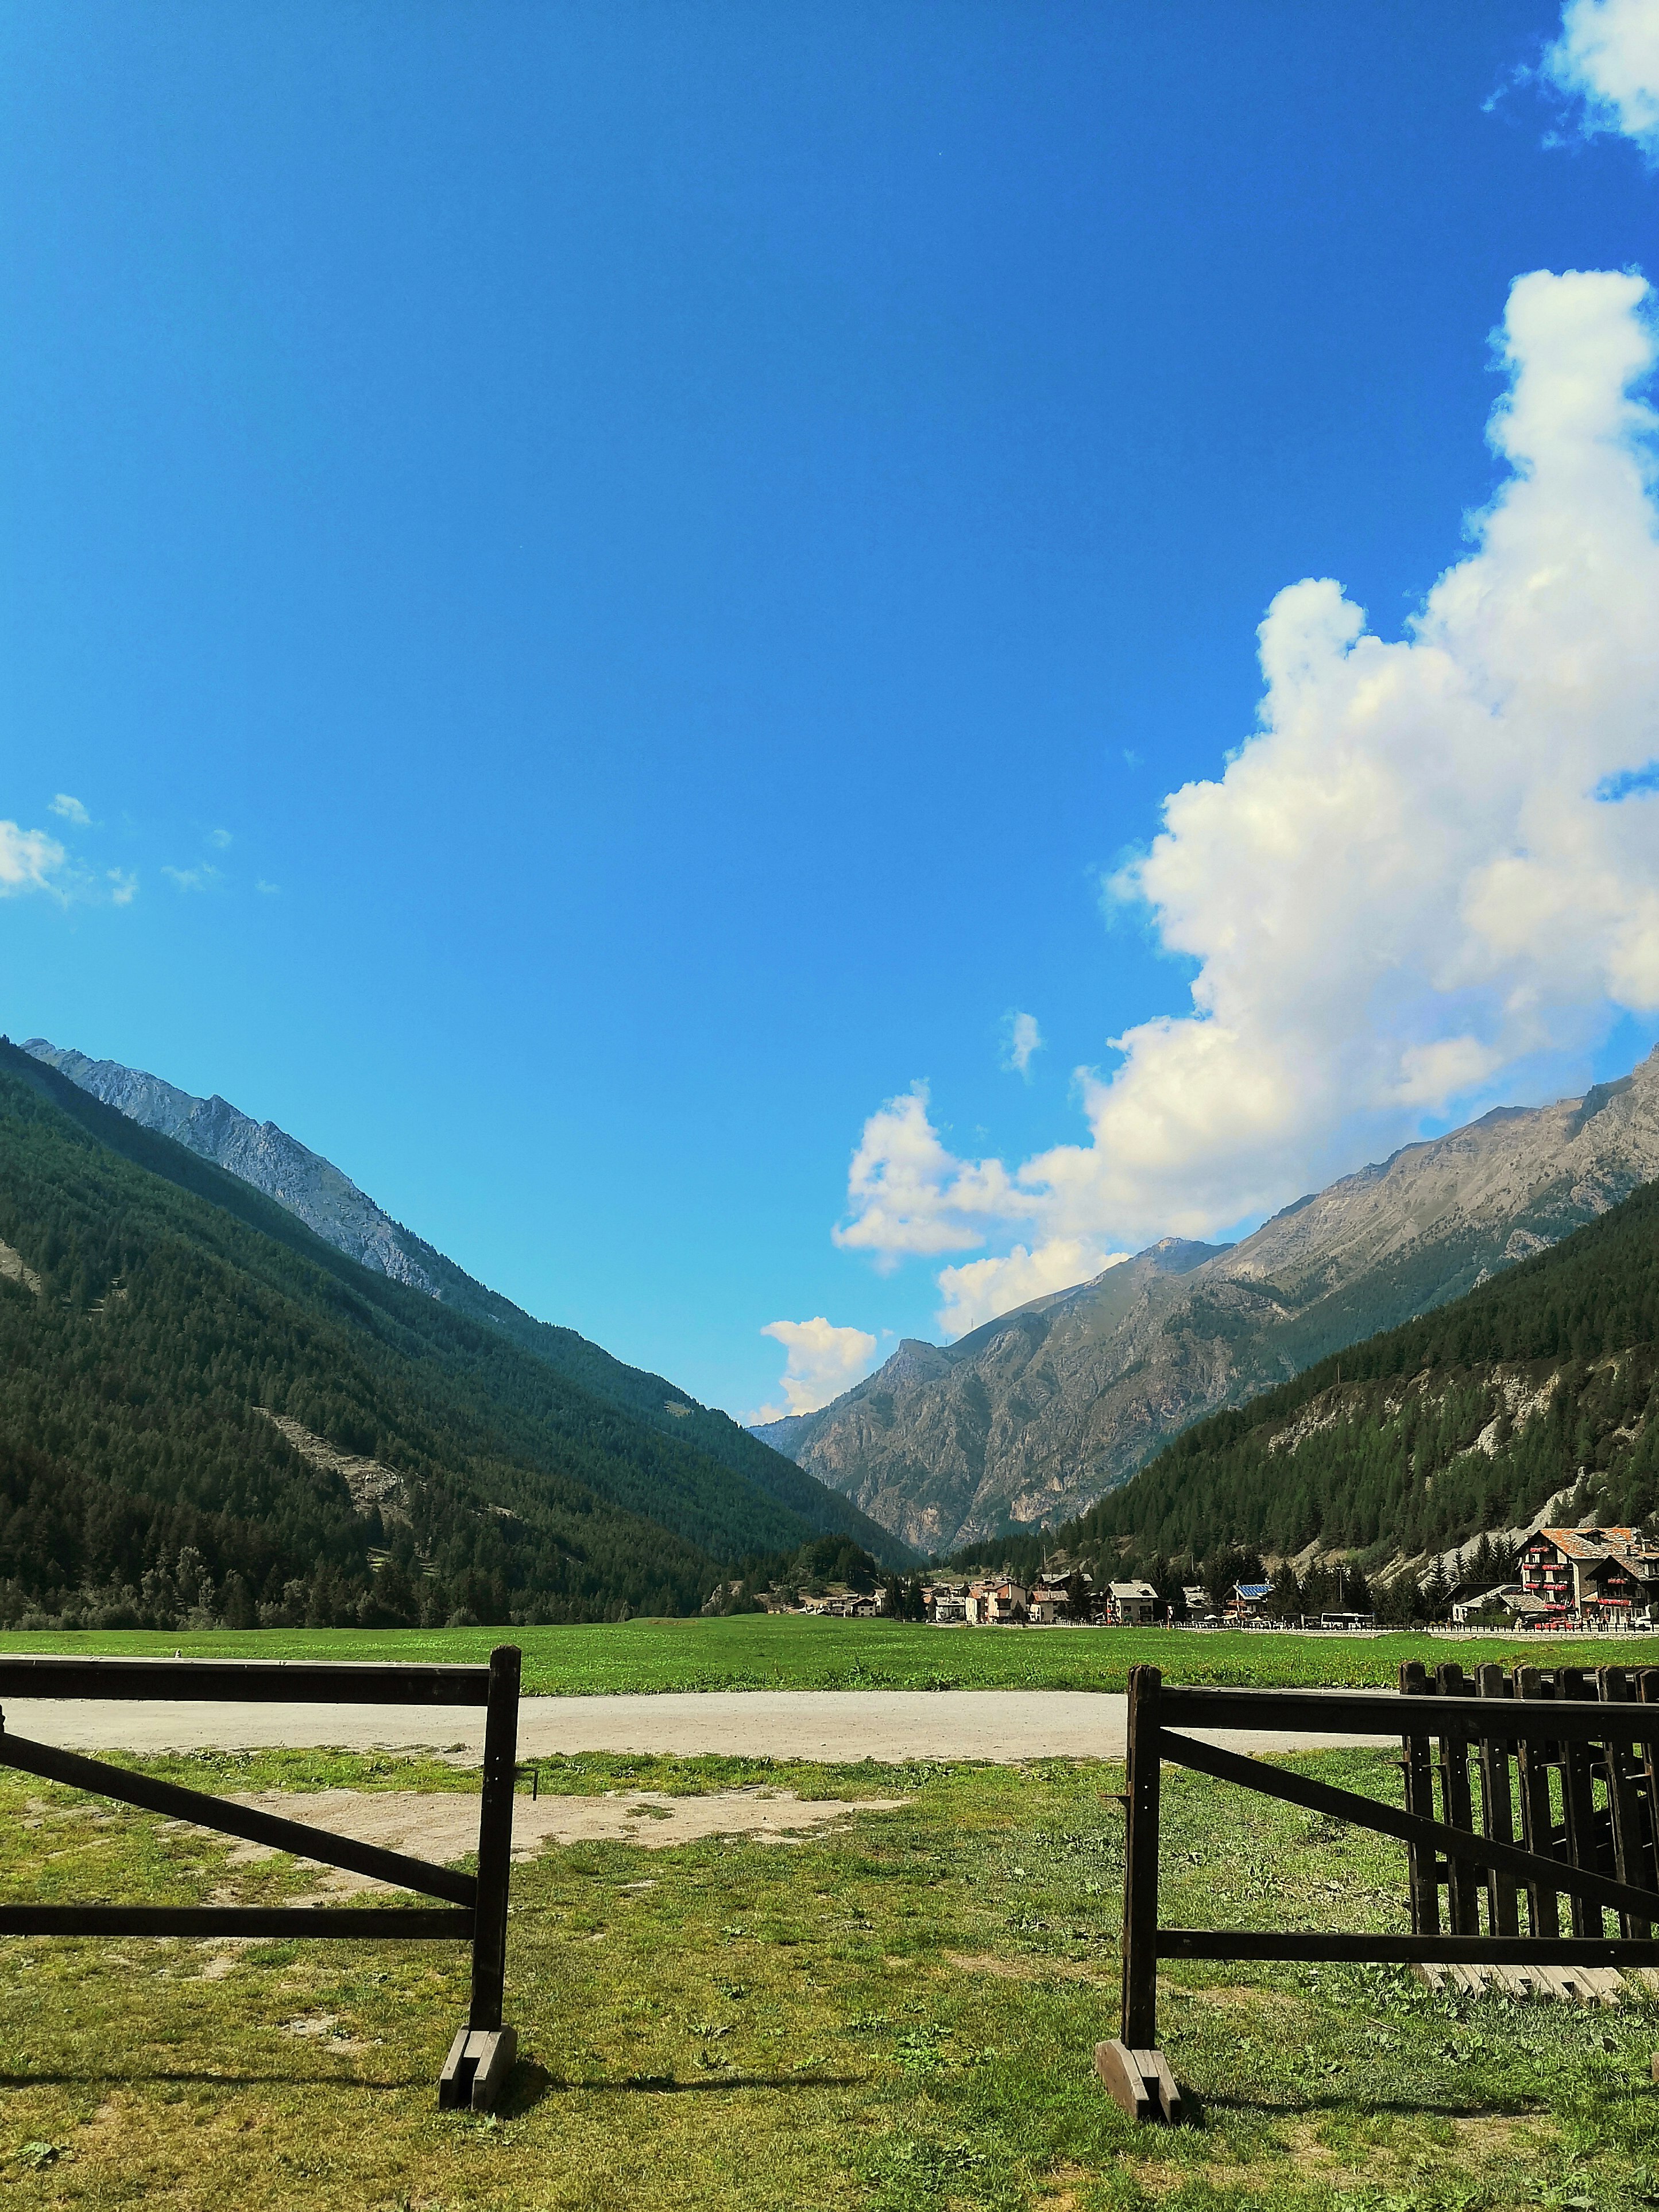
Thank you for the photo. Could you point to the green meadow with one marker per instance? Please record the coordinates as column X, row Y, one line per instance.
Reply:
column 770, row 1651
column 896, row 2014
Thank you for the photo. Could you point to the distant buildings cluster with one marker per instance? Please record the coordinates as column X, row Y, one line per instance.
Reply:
column 1564, row 1578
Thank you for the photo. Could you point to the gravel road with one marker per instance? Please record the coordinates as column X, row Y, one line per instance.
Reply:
column 1003, row 1726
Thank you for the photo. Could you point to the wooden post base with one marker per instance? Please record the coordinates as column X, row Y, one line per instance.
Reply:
column 1139, row 2082
column 478, row 2063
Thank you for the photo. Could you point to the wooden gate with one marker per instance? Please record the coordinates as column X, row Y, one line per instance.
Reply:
column 483, row 2050
column 1584, row 1790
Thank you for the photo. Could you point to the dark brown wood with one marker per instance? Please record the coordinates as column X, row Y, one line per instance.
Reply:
column 1630, row 1860
column 1140, row 2016
column 1498, row 1810
column 1458, row 1810
column 1532, row 1766
column 500, row 1766
column 365, row 1921
column 1578, row 1801
column 1385, row 1713
column 1418, row 1771
column 1389, row 1820
column 1394, row 1950
column 1646, row 1686
column 241, row 1682
column 102, row 1780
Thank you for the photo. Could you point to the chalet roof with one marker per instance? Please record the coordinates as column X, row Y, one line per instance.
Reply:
column 1593, row 1543
column 1132, row 1589
column 1251, row 1591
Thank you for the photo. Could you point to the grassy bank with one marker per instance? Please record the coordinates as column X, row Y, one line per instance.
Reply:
column 897, row 2016
column 759, row 1651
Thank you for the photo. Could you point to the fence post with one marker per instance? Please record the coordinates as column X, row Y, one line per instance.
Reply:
column 1136, row 2074
column 483, row 2051
column 1140, row 2028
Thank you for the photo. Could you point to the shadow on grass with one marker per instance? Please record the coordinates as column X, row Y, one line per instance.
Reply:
column 663, row 2085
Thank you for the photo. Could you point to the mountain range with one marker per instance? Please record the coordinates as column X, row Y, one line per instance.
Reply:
column 322, row 1196
column 1538, row 1388
column 1043, row 1410
column 208, row 1412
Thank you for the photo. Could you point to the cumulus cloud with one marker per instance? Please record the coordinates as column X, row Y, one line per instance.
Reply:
column 1434, row 860
column 71, row 810
column 979, row 1290
column 1606, row 59
column 907, row 1193
column 29, row 860
column 1021, row 1037
column 124, row 886
column 199, row 879
column 822, row 1362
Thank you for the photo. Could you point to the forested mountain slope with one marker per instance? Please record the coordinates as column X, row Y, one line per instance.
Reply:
column 1037, row 1414
column 154, row 1318
column 315, row 1192
column 1465, row 1420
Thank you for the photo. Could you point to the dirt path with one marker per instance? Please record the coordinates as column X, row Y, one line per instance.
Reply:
column 1002, row 1726
column 443, row 1825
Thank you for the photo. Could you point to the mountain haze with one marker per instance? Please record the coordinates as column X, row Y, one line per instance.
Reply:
column 321, row 1195
column 1042, row 1411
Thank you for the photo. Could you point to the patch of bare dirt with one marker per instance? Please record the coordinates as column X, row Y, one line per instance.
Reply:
column 443, row 1825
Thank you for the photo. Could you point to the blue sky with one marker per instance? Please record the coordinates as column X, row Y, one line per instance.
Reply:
column 612, row 582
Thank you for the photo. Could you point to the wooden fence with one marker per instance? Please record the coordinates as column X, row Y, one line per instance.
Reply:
column 1584, row 1791
column 476, row 1905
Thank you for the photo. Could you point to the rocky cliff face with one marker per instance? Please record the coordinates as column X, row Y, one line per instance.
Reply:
column 328, row 1202
column 1037, row 1414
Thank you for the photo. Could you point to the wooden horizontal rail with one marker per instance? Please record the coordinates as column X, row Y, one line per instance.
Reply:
column 371, row 1922
column 1389, row 1713
column 247, row 1821
column 1301, row 1945
column 1408, row 1827
column 246, row 1681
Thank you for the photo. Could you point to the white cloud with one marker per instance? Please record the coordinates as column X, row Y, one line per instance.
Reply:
column 1404, row 884
column 220, row 839
column 979, row 1290
column 822, row 1362
column 1607, row 57
column 907, row 1193
column 125, row 885
column 29, row 860
column 71, row 810
column 1021, row 1037
column 192, row 879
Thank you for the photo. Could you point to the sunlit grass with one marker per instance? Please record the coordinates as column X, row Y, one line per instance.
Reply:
column 759, row 1651
column 898, row 2014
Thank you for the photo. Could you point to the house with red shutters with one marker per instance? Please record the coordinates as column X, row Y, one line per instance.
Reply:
column 1605, row 1575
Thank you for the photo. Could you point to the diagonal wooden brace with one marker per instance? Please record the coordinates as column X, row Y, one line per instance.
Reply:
column 102, row 1780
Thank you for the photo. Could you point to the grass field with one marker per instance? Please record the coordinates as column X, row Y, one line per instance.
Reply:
column 897, row 2017
column 761, row 1651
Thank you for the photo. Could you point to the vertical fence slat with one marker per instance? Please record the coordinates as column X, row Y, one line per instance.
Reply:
column 1537, row 1820
column 1624, row 1807
column 1140, row 2028
column 1418, row 1771
column 1578, row 1804
column 1497, row 1810
column 1463, row 1884
column 1647, row 1689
